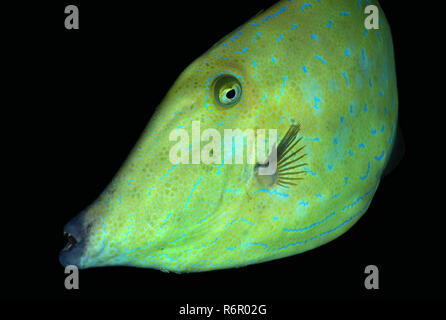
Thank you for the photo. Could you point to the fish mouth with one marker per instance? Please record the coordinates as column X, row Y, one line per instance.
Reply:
column 76, row 236
column 71, row 241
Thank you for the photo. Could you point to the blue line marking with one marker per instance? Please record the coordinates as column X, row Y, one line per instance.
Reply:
column 367, row 174
column 272, row 192
column 345, row 77
column 310, row 226
column 283, row 88
column 246, row 221
column 192, row 191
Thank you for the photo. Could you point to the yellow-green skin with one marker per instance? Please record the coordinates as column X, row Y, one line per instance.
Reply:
column 308, row 62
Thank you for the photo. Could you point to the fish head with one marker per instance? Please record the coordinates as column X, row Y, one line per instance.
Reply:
column 179, row 179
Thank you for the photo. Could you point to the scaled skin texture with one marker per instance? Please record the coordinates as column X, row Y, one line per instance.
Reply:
column 306, row 62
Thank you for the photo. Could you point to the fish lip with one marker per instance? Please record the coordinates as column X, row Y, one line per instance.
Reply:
column 76, row 235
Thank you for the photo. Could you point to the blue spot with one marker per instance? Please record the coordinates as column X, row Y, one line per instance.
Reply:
column 341, row 119
column 320, row 58
column 303, row 203
column 330, row 23
column 383, row 128
column 344, row 13
column 365, row 107
column 316, row 99
column 335, row 140
column 305, row 69
column 374, row 131
column 280, row 37
column 361, row 145
column 308, row 170
column 381, row 156
column 313, row 36
column 254, row 63
column 243, row 51
column 306, row 5
column 274, row 60
column 347, row 53
column 294, row 26
column 236, row 36
column 351, row 153
column 330, row 167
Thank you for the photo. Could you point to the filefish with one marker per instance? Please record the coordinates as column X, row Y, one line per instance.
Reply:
column 311, row 72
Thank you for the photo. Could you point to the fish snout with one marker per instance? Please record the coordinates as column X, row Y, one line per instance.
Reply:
column 76, row 234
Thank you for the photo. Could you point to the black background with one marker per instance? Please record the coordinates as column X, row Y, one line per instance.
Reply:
column 84, row 97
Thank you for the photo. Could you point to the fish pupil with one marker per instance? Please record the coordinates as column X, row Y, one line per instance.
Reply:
column 230, row 94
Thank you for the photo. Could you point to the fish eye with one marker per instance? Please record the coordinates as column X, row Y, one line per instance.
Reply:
column 227, row 91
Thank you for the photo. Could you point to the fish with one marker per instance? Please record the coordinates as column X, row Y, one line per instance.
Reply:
column 314, row 88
